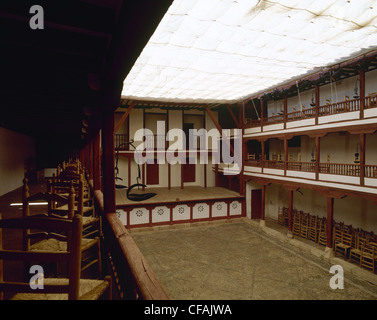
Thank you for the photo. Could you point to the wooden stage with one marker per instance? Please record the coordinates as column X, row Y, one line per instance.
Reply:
column 177, row 205
column 164, row 195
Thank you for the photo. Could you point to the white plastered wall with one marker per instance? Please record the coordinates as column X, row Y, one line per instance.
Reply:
column 174, row 122
column 15, row 149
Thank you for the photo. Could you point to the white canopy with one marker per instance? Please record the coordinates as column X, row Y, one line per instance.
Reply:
column 218, row 51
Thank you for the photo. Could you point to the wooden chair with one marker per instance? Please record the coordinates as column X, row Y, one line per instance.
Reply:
column 296, row 223
column 355, row 252
column 92, row 223
column 282, row 216
column 71, row 287
column 322, row 233
column 342, row 242
column 369, row 256
column 39, row 241
column 304, row 225
column 313, row 228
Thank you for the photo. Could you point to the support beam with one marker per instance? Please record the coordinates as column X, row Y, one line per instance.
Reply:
column 124, row 117
column 330, row 223
column 263, row 206
column 233, row 116
column 317, row 156
column 108, row 163
column 317, row 102
column 96, row 162
column 285, row 156
column 290, row 214
column 362, row 158
column 285, row 113
column 362, row 93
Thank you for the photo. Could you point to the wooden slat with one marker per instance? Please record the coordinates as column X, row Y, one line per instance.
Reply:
column 45, row 256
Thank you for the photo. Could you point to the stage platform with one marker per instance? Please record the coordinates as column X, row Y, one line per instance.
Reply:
column 177, row 205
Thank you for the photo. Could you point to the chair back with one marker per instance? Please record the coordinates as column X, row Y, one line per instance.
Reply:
column 71, row 228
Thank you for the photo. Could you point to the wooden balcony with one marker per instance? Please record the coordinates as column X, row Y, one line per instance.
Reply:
column 346, row 106
column 311, row 170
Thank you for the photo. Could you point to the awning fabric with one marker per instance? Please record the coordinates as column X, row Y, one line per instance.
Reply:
column 223, row 51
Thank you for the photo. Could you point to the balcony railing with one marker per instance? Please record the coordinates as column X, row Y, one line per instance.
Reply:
column 371, row 171
column 348, row 105
column 347, row 169
column 120, row 141
column 344, row 169
column 301, row 166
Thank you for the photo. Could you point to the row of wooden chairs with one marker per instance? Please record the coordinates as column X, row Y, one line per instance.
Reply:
column 65, row 236
column 353, row 244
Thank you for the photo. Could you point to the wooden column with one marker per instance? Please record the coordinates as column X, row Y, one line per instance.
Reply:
column 285, row 156
column 362, row 158
column 290, row 213
column 362, row 93
column 285, row 113
column 90, row 160
column 261, row 115
column 169, row 176
column 262, row 147
column 317, row 101
column 97, row 162
column 263, row 205
column 330, row 219
column 317, row 156
column 108, row 163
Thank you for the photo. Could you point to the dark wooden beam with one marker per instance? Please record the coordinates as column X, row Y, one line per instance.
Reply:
column 233, row 116
column 124, row 117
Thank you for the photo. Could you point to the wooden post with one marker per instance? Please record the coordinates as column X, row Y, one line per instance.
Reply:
column 108, row 163
column 262, row 158
column 290, row 214
column 317, row 156
column 169, row 176
column 362, row 93
column 317, row 101
column 285, row 113
column 261, row 115
column 285, row 156
column 362, row 158
column 330, row 219
column 263, row 206
column 96, row 162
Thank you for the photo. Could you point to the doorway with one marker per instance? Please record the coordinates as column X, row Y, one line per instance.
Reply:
column 256, row 204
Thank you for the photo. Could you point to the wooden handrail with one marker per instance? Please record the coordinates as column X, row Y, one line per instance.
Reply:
column 133, row 275
column 144, row 277
column 324, row 110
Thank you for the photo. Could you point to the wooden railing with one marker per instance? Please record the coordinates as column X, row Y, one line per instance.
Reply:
column 273, row 164
column 120, row 141
column 134, row 279
column 345, row 169
column 301, row 166
column 348, row 105
column 371, row 171
column 302, row 114
column 371, row 101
